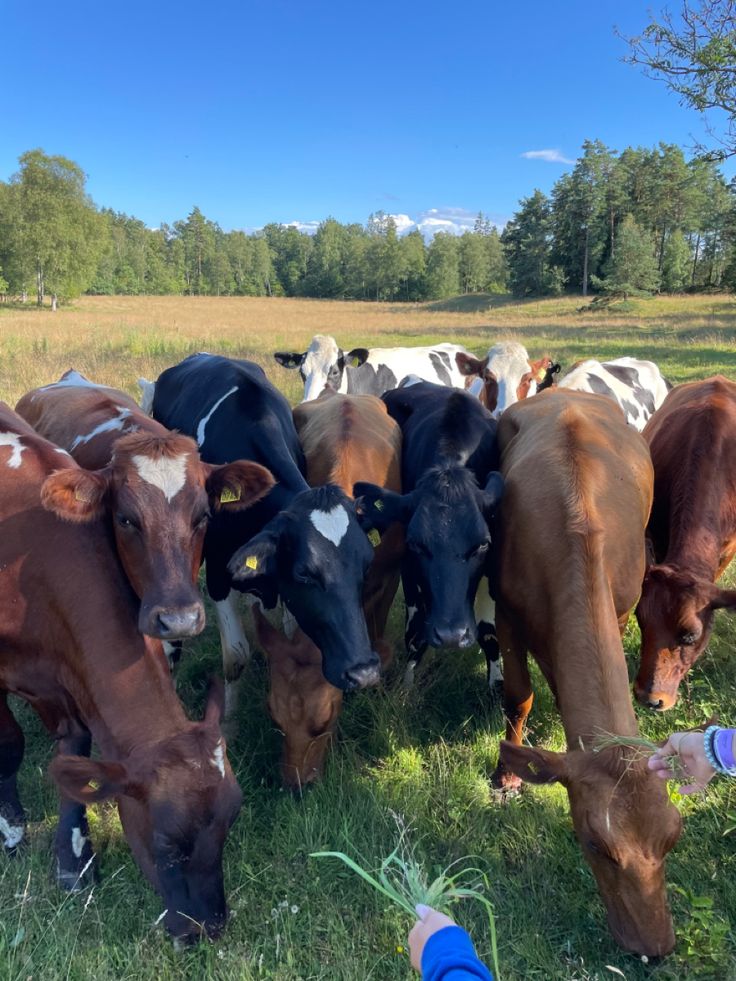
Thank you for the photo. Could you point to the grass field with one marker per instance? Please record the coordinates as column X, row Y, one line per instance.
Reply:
column 425, row 754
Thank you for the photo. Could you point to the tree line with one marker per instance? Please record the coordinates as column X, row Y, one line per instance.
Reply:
column 639, row 221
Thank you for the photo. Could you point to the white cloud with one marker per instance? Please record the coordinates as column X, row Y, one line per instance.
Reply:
column 310, row 227
column 454, row 221
column 549, row 156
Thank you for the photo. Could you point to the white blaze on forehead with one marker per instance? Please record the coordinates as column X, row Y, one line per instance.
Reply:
column 203, row 422
column 508, row 361
column 78, row 842
column 117, row 422
column 218, row 757
column 12, row 833
column 13, row 440
column 332, row 525
column 321, row 355
column 169, row 474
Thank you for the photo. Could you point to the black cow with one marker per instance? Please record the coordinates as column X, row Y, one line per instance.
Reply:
column 299, row 544
column 449, row 455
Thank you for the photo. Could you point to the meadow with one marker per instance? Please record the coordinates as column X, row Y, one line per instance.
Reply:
column 424, row 755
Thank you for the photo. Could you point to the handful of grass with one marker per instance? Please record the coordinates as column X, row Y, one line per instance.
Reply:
column 402, row 880
column 643, row 749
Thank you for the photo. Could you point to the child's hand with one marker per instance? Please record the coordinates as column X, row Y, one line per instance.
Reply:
column 429, row 922
column 688, row 746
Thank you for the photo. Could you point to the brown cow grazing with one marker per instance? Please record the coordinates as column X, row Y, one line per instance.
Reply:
column 567, row 606
column 70, row 646
column 351, row 438
column 302, row 703
column 151, row 484
column 692, row 531
column 506, row 375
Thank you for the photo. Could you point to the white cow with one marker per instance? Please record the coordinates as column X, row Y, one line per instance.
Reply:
column 637, row 386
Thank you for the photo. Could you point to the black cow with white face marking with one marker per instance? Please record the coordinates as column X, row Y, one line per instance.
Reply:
column 299, row 544
column 449, row 460
column 370, row 372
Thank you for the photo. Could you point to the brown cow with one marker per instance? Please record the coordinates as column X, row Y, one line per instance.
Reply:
column 150, row 482
column 70, row 646
column 692, row 532
column 506, row 375
column 567, row 604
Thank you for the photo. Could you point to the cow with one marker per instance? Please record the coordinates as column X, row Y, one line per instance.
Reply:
column 302, row 703
column 505, row 376
column 636, row 386
column 692, row 533
column 451, row 490
column 152, row 487
column 370, row 371
column 568, row 604
column 304, row 546
column 70, row 646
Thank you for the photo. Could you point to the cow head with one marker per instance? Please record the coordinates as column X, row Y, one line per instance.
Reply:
column 315, row 555
column 302, row 703
column 447, row 518
column 177, row 800
column 505, row 375
column 625, row 826
column 159, row 496
column 323, row 363
column 675, row 615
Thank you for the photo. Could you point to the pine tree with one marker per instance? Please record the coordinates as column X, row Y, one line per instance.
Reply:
column 632, row 270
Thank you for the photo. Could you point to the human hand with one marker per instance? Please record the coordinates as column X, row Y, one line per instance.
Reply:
column 429, row 922
column 688, row 746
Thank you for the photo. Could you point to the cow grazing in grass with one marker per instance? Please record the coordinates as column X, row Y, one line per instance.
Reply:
column 506, row 375
column 70, row 646
column 373, row 371
column 692, row 532
column 299, row 544
column 636, row 386
column 148, row 483
column 567, row 604
column 450, row 492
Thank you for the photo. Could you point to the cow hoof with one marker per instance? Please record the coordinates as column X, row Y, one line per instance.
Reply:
column 74, row 882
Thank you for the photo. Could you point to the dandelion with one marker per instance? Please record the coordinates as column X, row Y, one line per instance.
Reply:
column 399, row 949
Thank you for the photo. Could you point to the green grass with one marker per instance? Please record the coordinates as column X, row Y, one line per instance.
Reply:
column 424, row 754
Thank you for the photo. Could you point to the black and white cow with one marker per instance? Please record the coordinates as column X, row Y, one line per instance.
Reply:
column 637, row 386
column 299, row 544
column 370, row 372
column 506, row 375
column 449, row 461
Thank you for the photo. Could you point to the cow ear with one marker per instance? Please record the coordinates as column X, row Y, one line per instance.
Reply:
column 532, row 764
column 376, row 507
column 256, row 558
column 492, row 493
column 722, row 599
column 467, row 364
column 356, row 357
column 235, row 486
column 289, row 359
column 76, row 494
column 87, row 780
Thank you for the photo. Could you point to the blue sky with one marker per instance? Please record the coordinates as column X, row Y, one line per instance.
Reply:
column 293, row 110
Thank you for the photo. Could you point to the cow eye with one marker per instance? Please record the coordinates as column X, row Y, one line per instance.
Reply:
column 687, row 639
column 199, row 520
column 598, row 848
column 125, row 521
column 418, row 548
column 305, row 578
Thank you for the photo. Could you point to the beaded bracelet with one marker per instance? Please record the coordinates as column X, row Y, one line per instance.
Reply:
column 723, row 750
column 709, row 737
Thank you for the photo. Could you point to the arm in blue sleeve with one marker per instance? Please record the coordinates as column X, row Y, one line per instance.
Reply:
column 449, row 955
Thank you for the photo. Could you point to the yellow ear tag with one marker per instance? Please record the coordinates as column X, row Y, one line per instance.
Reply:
column 251, row 562
column 541, row 374
column 374, row 537
column 354, row 361
column 81, row 495
column 378, row 505
column 227, row 496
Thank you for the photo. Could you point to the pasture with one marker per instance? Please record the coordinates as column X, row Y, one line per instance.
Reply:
column 424, row 755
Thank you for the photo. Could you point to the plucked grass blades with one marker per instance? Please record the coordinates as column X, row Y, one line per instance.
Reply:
column 642, row 749
column 402, row 880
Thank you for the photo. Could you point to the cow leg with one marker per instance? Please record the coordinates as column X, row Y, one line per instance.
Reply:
column 74, row 854
column 518, row 694
column 485, row 618
column 235, row 648
column 12, row 746
column 415, row 630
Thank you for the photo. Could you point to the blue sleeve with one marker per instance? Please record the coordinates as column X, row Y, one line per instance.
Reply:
column 449, row 955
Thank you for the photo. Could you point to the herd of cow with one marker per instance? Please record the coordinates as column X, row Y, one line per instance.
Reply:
column 519, row 512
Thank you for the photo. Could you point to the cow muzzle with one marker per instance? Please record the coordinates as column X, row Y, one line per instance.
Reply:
column 166, row 623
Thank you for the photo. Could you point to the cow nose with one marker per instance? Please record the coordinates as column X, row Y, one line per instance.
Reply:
column 185, row 622
column 363, row 676
column 450, row 636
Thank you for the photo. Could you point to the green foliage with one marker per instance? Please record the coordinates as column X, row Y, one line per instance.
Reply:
column 676, row 263
column 527, row 241
column 632, row 269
